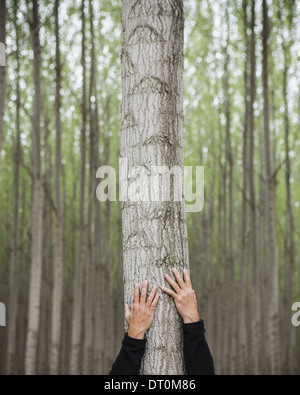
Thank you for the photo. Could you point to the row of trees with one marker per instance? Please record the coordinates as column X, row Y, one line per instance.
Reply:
column 247, row 258
column 61, row 250
column 62, row 288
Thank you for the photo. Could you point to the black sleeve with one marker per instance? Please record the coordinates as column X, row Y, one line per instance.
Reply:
column 130, row 358
column 197, row 356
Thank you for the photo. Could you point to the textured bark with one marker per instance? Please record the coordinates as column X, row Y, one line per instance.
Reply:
column 154, row 233
column 78, row 276
column 13, row 291
column 273, row 312
column 37, row 204
column 59, row 246
column 2, row 70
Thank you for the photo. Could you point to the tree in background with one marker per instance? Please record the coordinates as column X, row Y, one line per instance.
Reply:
column 59, row 239
column 78, row 274
column 37, row 201
column 2, row 69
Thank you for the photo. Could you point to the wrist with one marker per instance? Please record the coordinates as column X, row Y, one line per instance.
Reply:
column 191, row 318
column 135, row 333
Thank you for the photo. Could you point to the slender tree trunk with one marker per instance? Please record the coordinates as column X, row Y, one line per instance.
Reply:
column 273, row 316
column 229, row 272
column 254, row 241
column 243, row 345
column 289, row 239
column 78, row 279
column 44, row 340
column 2, row 71
column 13, row 289
column 37, row 204
column 90, row 270
column 154, row 233
column 24, row 263
column 59, row 246
column 109, row 275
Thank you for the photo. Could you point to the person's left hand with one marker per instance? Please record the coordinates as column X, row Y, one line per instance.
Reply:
column 183, row 295
column 141, row 316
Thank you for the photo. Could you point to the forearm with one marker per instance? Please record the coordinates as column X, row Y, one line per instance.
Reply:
column 130, row 357
column 198, row 358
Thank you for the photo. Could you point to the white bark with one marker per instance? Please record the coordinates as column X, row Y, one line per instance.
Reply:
column 154, row 234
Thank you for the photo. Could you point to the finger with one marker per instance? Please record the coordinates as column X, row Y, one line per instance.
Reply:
column 144, row 292
column 172, row 283
column 178, row 278
column 155, row 301
column 169, row 292
column 187, row 279
column 152, row 295
column 136, row 294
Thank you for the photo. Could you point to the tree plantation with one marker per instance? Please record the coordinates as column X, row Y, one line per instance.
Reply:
column 89, row 85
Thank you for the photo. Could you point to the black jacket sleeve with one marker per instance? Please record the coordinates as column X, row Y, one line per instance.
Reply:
column 130, row 357
column 197, row 355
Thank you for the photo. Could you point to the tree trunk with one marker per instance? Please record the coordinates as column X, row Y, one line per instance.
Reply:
column 289, row 239
column 37, row 204
column 109, row 275
column 91, row 261
column 59, row 247
column 254, row 240
column 273, row 316
column 229, row 285
column 13, row 290
column 243, row 345
column 78, row 279
column 154, row 233
column 2, row 71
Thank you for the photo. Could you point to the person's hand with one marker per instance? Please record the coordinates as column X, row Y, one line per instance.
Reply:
column 184, row 297
column 141, row 316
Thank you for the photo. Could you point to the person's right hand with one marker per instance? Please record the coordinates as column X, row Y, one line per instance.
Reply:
column 140, row 317
column 184, row 297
